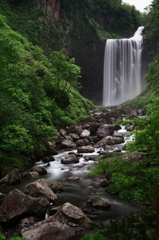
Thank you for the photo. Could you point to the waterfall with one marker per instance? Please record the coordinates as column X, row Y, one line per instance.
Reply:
column 122, row 69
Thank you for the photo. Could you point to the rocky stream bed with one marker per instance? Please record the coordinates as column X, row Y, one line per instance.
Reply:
column 55, row 199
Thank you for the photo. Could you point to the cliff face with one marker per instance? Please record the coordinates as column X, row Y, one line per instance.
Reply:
column 79, row 27
column 81, row 42
column 51, row 8
column 150, row 50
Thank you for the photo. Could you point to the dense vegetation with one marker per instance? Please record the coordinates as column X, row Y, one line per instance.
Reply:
column 36, row 94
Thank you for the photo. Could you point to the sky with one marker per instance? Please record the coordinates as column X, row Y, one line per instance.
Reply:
column 139, row 4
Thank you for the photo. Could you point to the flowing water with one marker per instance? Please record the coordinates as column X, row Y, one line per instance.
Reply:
column 78, row 192
column 122, row 69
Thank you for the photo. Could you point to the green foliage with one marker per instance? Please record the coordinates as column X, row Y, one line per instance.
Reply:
column 93, row 236
column 36, row 93
column 13, row 238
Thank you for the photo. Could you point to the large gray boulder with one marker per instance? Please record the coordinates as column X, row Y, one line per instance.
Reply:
column 11, row 178
column 39, row 169
column 67, row 144
column 83, row 142
column 105, row 130
column 16, row 204
column 86, row 149
column 68, row 221
column 40, row 188
column 98, row 202
column 70, row 159
column 109, row 140
column 56, row 187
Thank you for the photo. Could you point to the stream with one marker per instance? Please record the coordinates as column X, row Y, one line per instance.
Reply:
column 79, row 191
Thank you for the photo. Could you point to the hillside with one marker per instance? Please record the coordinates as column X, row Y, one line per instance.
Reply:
column 80, row 27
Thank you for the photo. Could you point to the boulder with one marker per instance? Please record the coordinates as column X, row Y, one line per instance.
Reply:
column 40, row 170
column 17, row 204
column 83, row 142
column 62, row 133
column 74, row 136
column 30, row 175
column 66, row 222
column 103, row 118
column 98, row 202
column 84, row 125
column 73, row 179
column 92, row 158
column 67, row 144
column 108, row 148
column 74, row 129
column 85, row 133
column 105, row 130
column 56, row 187
column 109, row 140
column 50, row 148
column 70, row 159
column 11, row 178
column 47, row 159
column 40, row 188
column 85, row 149
column 116, row 114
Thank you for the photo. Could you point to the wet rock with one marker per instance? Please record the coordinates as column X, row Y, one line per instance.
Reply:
column 11, row 178
column 73, row 179
column 109, row 140
column 48, row 159
column 67, row 144
column 40, row 170
column 85, row 149
column 108, row 148
column 98, row 202
column 91, row 157
column 70, row 159
column 105, row 130
column 17, row 203
column 129, row 127
column 30, row 175
column 40, row 188
column 117, row 134
column 56, row 187
column 66, row 222
column 83, row 142
column 116, row 150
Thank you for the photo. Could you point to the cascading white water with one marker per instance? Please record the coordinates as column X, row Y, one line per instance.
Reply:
column 122, row 69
